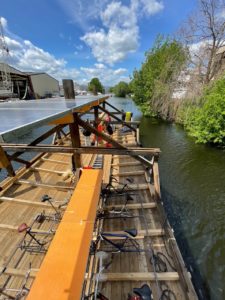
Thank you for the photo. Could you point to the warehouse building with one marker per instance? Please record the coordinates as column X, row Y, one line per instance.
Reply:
column 26, row 85
column 43, row 85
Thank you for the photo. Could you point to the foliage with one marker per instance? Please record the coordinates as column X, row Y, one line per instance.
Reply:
column 154, row 82
column 206, row 122
column 111, row 89
column 121, row 89
column 95, row 86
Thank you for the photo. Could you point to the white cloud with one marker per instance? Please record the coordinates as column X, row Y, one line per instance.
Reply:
column 120, row 37
column 151, row 7
column 25, row 56
column 120, row 71
column 3, row 22
column 108, row 76
column 83, row 11
column 120, row 33
column 100, row 66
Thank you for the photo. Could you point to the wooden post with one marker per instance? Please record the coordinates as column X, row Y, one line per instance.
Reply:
column 138, row 135
column 108, row 139
column 68, row 87
column 75, row 139
column 96, row 116
column 113, row 116
column 5, row 163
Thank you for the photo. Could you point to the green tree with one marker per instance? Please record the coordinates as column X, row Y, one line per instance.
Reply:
column 121, row 89
column 95, row 86
column 153, row 85
column 111, row 89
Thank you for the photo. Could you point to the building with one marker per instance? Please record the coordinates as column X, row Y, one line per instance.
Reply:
column 18, row 84
column 43, row 85
column 26, row 85
column 220, row 60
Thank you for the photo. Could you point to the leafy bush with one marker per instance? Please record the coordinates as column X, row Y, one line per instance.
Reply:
column 207, row 121
column 121, row 89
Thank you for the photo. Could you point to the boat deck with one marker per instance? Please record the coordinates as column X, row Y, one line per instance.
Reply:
column 114, row 260
column 128, row 270
column 21, row 203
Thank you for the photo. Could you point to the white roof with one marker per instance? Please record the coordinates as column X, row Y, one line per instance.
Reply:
column 19, row 117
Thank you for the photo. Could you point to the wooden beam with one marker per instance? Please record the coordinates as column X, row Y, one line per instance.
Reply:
column 61, row 162
column 118, row 119
column 25, row 202
column 44, row 185
column 46, row 171
column 126, row 164
column 5, row 162
column 64, row 120
column 38, row 140
column 156, row 180
column 8, row 182
column 141, row 232
column 132, row 206
column 68, row 87
column 134, row 173
column 21, row 161
column 148, row 276
column 18, row 272
column 105, row 137
column 64, row 266
column 96, row 117
column 133, row 151
column 138, row 187
column 86, row 107
column 8, row 227
column 113, row 107
column 125, row 122
column 75, row 140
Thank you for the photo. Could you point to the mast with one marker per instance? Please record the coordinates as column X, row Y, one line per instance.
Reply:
column 5, row 83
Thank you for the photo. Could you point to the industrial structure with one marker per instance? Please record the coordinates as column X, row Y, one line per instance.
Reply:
column 27, row 85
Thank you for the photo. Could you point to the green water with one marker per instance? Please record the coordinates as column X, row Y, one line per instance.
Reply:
column 193, row 187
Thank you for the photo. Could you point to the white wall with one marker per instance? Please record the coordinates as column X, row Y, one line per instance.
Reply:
column 44, row 84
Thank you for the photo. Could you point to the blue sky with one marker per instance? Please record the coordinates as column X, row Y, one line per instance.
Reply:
column 81, row 39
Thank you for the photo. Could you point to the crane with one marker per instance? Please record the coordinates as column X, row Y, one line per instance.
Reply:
column 5, row 83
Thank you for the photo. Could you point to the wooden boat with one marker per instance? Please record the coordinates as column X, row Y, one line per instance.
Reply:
column 99, row 232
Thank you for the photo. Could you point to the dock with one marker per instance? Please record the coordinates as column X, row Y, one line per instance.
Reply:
column 85, row 222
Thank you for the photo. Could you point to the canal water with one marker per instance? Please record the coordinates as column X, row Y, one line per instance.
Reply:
column 193, row 189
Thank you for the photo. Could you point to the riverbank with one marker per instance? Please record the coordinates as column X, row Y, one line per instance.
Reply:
column 203, row 118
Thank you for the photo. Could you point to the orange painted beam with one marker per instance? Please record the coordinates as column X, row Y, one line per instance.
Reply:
column 67, row 119
column 62, row 272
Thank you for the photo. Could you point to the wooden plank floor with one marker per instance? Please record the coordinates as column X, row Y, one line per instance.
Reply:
column 21, row 203
column 132, row 270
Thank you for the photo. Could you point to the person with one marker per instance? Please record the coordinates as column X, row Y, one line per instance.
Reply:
column 109, row 128
column 87, row 136
column 108, row 118
column 123, row 115
column 100, row 128
column 128, row 116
